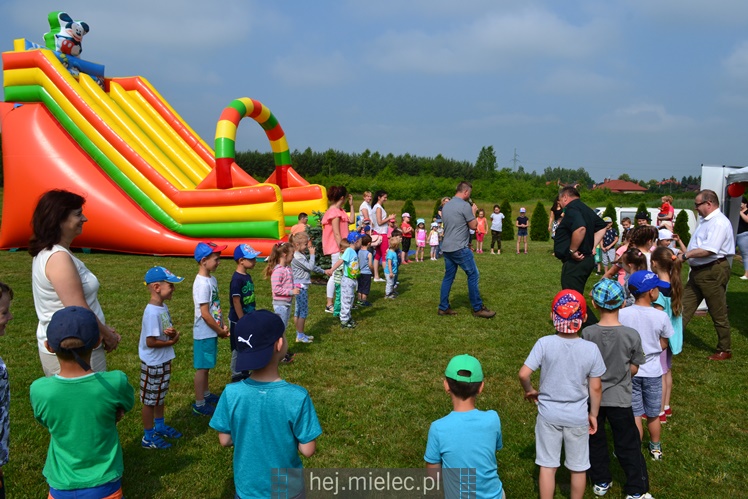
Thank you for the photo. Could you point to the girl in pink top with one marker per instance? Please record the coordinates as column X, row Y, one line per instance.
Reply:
column 334, row 229
column 281, row 279
column 420, row 239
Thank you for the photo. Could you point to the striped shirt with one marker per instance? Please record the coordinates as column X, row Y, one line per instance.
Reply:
column 281, row 283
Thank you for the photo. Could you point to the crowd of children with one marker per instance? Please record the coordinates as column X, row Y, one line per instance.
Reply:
column 617, row 371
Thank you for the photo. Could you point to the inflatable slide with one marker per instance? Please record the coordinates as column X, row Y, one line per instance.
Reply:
column 152, row 186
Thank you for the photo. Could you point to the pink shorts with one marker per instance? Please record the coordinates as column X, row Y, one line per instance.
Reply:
column 479, row 236
column 381, row 252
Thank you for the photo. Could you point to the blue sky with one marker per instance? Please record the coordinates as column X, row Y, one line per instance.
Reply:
column 651, row 88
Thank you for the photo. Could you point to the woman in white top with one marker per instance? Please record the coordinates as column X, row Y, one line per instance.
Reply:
column 59, row 279
column 364, row 211
column 379, row 224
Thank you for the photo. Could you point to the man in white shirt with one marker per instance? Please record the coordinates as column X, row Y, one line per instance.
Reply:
column 707, row 252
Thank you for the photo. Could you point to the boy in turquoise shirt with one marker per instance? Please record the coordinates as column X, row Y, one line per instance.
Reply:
column 466, row 438
column 267, row 420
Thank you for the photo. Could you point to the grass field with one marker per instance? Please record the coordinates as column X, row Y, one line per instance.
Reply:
column 377, row 389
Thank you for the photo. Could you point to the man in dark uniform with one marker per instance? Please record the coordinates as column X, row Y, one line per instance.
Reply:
column 580, row 230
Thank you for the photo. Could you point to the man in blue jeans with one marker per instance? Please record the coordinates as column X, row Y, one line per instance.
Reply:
column 458, row 217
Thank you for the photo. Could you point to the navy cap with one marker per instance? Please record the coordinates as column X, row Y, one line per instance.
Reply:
column 642, row 281
column 74, row 322
column 256, row 333
column 161, row 274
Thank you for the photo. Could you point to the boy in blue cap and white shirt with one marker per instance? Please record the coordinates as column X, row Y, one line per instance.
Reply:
column 156, row 350
column 621, row 348
column 466, row 437
column 267, row 420
column 654, row 328
column 208, row 325
column 569, row 377
column 241, row 297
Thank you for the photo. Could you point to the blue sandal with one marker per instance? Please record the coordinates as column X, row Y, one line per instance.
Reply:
column 167, row 431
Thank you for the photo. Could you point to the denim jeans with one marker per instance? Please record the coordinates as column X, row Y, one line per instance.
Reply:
column 464, row 259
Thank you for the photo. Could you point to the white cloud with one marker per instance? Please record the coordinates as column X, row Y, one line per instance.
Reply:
column 646, row 118
column 490, row 42
column 736, row 64
column 306, row 70
column 578, row 82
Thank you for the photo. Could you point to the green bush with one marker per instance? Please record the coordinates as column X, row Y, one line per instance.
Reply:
column 507, row 229
column 610, row 211
column 409, row 208
column 681, row 227
column 642, row 208
column 539, row 224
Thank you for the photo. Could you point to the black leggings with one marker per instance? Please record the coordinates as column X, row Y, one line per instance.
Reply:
column 496, row 238
column 406, row 247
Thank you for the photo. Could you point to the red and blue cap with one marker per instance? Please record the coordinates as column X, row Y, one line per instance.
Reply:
column 568, row 311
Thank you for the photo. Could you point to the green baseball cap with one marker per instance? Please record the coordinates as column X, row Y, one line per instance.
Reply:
column 464, row 368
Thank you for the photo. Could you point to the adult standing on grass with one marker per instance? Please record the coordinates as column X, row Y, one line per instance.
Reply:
column 557, row 213
column 577, row 235
column 742, row 238
column 707, row 253
column 58, row 278
column 458, row 217
column 334, row 229
column 380, row 225
column 364, row 211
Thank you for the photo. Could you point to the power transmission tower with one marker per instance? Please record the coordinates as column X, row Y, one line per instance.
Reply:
column 515, row 159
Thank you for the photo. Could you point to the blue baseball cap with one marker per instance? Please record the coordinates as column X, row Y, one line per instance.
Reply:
column 203, row 250
column 353, row 237
column 256, row 333
column 608, row 294
column 245, row 251
column 74, row 322
column 161, row 274
column 642, row 281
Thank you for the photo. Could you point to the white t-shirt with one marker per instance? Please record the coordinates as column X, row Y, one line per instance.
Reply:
column 205, row 290
column 496, row 220
column 155, row 320
column 364, row 206
column 46, row 300
column 651, row 324
column 379, row 229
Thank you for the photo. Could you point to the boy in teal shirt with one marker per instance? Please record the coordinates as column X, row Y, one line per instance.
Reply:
column 267, row 420
column 81, row 409
column 466, row 438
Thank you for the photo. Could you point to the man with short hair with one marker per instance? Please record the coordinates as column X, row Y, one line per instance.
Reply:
column 707, row 252
column 577, row 235
column 458, row 217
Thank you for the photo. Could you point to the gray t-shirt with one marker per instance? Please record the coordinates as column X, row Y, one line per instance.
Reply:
column 620, row 347
column 455, row 216
column 564, row 388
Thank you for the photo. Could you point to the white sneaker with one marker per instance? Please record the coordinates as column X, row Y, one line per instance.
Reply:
column 600, row 489
column 743, row 278
column 646, row 495
column 379, row 279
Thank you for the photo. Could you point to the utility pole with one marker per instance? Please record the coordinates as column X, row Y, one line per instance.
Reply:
column 515, row 159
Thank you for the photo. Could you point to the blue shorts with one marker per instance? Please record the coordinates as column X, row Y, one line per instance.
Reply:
column 204, row 353
column 646, row 396
column 302, row 304
column 111, row 490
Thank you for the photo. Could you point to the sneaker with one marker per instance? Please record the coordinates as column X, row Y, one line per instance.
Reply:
column 364, row 303
column 206, row 410
column 663, row 417
column 390, row 296
column 600, row 489
column 211, row 399
column 302, row 338
column 668, row 411
column 646, row 495
column 484, row 313
column 656, row 454
column 378, row 279
column 154, row 443
column 347, row 325
column 329, row 309
column 288, row 358
column 168, row 432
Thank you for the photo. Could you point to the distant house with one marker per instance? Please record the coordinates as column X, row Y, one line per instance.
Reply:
column 620, row 186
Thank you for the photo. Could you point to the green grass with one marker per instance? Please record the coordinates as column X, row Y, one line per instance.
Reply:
column 377, row 389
